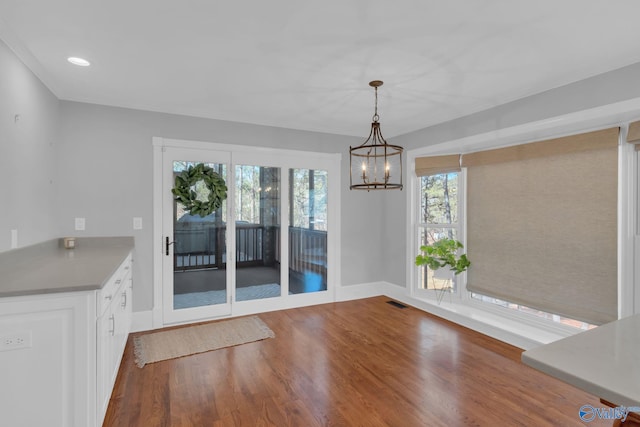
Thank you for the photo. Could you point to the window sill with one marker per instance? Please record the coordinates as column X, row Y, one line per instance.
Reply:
column 516, row 328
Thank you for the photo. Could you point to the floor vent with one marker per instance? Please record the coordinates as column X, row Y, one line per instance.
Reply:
column 396, row 304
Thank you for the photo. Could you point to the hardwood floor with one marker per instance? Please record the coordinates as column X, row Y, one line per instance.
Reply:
column 356, row 363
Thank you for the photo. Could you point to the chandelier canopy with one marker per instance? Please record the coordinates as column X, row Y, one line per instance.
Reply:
column 375, row 165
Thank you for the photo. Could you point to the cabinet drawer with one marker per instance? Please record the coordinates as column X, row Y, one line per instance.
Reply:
column 110, row 290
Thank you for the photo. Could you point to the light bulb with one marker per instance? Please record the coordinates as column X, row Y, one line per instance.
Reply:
column 81, row 62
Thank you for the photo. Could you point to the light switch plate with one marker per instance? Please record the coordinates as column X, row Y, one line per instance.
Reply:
column 14, row 238
column 137, row 223
column 80, row 224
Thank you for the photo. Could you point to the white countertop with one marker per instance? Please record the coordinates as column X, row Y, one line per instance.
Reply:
column 49, row 268
column 604, row 361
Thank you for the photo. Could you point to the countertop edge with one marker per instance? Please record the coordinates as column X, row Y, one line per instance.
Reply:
column 49, row 268
column 591, row 388
column 601, row 361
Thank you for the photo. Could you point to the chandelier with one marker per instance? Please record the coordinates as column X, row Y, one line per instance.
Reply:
column 375, row 165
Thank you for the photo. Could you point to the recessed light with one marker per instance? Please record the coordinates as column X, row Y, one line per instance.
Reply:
column 79, row 61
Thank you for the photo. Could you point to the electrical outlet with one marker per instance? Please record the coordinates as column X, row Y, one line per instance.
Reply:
column 15, row 340
column 80, row 224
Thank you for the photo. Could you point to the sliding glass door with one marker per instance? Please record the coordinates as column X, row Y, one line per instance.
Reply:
column 308, row 227
column 257, row 216
column 267, row 246
column 196, row 281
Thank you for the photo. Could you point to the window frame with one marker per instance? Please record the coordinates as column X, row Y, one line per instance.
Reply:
column 523, row 329
column 459, row 280
column 460, row 294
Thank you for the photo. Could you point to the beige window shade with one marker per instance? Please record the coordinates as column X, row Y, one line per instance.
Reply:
column 633, row 136
column 437, row 164
column 552, row 147
column 542, row 229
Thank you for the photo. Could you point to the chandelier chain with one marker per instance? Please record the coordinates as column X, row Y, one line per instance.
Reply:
column 376, row 117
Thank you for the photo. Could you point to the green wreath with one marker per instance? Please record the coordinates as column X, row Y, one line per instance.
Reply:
column 184, row 190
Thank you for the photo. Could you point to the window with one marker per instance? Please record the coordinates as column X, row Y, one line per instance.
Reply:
column 308, row 199
column 439, row 218
column 532, row 312
column 527, row 199
column 541, row 224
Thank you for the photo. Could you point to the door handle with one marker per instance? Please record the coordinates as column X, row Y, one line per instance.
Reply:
column 167, row 244
column 112, row 318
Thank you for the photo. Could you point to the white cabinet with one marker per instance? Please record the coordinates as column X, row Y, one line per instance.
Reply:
column 112, row 329
column 48, row 381
column 64, row 353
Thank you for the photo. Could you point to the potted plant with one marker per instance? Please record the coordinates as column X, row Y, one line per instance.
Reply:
column 443, row 253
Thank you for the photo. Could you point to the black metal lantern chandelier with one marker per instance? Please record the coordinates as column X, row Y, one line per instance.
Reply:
column 375, row 165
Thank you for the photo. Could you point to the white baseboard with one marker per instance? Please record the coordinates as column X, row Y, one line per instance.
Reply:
column 152, row 319
column 511, row 331
column 142, row 321
column 361, row 290
column 507, row 330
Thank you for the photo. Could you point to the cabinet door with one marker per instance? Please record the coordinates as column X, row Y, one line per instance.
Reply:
column 104, row 332
column 112, row 330
column 122, row 323
column 44, row 382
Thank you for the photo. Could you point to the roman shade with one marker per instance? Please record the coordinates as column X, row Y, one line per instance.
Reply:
column 633, row 136
column 542, row 225
column 437, row 164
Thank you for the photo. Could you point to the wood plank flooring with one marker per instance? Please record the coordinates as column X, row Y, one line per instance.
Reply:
column 355, row 363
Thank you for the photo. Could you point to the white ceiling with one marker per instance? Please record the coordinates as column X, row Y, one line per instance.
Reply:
column 306, row 65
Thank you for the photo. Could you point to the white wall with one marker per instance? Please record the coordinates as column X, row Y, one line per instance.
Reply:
column 27, row 154
column 63, row 160
column 395, row 253
column 602, row 90
column 105, row 162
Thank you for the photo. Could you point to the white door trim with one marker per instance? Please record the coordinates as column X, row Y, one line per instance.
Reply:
column 303, row 159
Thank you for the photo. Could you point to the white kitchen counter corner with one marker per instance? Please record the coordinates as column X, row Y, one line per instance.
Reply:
column 50, row 268
column 604, row 361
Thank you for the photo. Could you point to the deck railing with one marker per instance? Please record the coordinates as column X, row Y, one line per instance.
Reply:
column 203, row 245
column 308, row 251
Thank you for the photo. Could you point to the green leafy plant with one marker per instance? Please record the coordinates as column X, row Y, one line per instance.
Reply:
column 184, row 190
column 443, row 253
